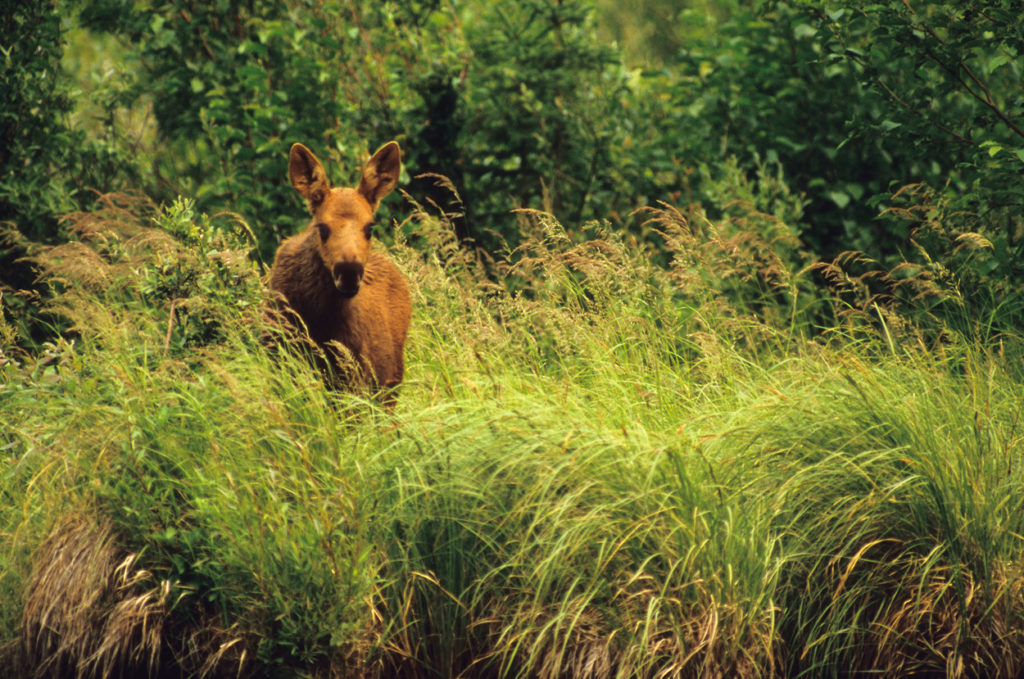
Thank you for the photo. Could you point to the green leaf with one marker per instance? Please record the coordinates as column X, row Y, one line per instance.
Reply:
column 997, row 61
column 803, row 31
column 993, row 147
column 839, row 198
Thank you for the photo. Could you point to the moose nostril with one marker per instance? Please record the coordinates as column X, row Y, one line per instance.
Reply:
column 347, row 276
column 348, row 269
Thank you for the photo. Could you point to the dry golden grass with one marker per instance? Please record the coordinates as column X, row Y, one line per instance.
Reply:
column 89, row 611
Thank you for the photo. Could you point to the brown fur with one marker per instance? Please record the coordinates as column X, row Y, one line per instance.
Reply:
column 340, row 290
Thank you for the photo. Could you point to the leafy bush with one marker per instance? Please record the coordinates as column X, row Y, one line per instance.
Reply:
column 178, row 266
column 950, row 76
column 35, row 148
column 510, row 103
column 50, row 161
column 951, row 279
column 232, row 87
column 856, row 101
column 35, row 144
column 544, row 115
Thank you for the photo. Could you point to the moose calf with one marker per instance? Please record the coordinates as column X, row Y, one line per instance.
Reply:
column 340, row 290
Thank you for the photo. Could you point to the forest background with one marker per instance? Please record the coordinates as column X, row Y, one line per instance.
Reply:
column 764, row 258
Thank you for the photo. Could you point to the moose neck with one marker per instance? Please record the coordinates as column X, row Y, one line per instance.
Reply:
column 320, row 304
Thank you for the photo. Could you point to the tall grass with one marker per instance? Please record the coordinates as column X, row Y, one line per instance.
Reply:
column 600, row 465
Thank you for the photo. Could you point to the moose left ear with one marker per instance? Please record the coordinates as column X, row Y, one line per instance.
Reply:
column 380, row 174
column 307, row 175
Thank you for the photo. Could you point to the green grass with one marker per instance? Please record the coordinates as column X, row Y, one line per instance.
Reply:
column 612, row 468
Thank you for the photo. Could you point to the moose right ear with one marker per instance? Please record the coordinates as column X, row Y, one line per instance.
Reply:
column 307, row 175
column 380, row 174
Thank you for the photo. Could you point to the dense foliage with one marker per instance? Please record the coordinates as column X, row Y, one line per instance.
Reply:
column 519, row 105
column 36, row 148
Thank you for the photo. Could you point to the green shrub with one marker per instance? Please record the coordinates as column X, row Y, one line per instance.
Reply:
column 855, row 102
column 511, row 103
column 35, row 144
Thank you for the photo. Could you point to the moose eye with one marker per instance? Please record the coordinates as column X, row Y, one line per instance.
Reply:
column 368, row 230
column 324, row 230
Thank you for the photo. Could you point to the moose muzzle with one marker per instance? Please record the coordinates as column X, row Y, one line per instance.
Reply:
column 347, row 278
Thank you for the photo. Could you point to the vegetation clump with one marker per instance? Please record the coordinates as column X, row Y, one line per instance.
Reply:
column 611, row 467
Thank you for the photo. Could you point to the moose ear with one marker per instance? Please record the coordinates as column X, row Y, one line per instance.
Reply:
column 307, row 175
column 380, row 174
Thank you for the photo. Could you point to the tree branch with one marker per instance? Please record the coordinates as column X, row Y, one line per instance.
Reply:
column 987, row 100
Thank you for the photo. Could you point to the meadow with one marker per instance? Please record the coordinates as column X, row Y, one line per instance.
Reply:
column 607, row 469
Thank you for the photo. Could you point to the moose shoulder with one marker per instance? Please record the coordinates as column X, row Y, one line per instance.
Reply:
column 330, row 279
